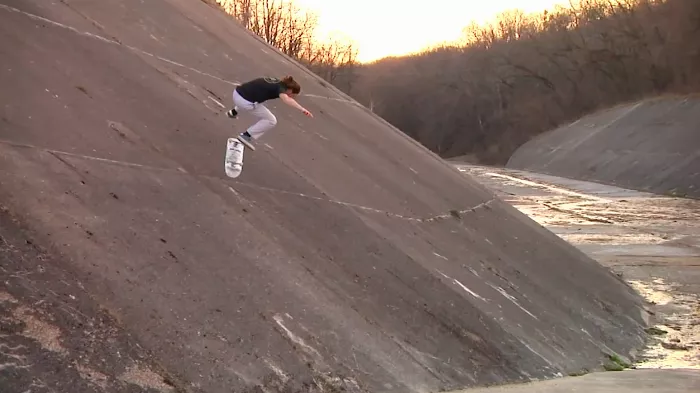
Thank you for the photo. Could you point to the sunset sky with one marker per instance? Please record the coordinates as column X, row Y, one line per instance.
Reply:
column 412, row 25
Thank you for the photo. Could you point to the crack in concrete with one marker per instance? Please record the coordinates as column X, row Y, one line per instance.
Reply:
column 180, row 171
column 371, row 209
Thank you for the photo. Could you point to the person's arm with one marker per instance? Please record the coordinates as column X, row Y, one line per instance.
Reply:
column 292, row 102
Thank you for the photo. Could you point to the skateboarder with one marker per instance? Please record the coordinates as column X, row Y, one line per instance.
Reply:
column 251, row 95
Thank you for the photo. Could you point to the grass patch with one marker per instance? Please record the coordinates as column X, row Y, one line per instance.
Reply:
column 613, row 367
column 615, row 363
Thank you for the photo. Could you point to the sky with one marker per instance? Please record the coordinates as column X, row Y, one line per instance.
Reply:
column 412, row 25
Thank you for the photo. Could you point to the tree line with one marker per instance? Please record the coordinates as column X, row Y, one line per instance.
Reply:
column 515, row 77
column 292, row 30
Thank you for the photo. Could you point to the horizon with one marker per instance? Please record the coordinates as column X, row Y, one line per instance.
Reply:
column 417, row 32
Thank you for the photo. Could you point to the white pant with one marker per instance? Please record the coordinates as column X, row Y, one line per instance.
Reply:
column 267, row 119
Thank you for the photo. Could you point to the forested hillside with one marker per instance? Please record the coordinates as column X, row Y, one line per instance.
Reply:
column 521, row 75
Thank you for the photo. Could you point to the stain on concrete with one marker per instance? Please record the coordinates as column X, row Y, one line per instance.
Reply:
column 145, row 378
column 47, row 335
column 53, row 338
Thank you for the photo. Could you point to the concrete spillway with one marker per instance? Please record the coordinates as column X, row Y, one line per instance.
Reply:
column 346, row 256
column 652, row 145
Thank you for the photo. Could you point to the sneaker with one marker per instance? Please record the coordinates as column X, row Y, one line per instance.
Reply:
column 246, row 140
column 232, row 113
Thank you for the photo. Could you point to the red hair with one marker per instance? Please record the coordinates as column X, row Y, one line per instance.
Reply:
column 291, row 84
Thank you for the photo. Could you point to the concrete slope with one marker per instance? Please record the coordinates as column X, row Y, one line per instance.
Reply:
column 652, row 145
column 345, row 257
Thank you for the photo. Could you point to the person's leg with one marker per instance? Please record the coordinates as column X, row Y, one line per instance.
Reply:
column 266, row 122
column 239, row 103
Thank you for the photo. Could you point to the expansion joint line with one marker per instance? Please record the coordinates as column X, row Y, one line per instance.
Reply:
column 181, row 171
column 451, row 214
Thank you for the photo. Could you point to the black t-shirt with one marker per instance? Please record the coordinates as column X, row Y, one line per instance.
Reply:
column 261, row 89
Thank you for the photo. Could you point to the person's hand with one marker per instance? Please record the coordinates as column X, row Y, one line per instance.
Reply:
column 307, row 113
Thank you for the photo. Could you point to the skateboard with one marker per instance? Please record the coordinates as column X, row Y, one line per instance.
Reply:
column 233, row 163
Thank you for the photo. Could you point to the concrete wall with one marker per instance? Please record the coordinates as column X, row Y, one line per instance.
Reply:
column 652, row 145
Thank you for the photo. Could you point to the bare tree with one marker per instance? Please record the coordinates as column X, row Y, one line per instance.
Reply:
column 282, row 24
